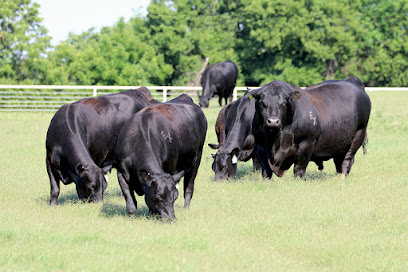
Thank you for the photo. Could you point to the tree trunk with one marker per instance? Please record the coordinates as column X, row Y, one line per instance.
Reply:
column 198, row 76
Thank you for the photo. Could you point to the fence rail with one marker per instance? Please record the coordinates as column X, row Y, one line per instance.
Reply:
column 51, row 97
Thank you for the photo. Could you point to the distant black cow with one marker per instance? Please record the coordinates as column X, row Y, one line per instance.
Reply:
column 81, row 141
column 218, row 79
column 236, row 141
column 156, row 147
column 295, row 126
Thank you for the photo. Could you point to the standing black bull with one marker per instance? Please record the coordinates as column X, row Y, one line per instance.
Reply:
column 294, row 126
column 236, row 141
column 81, row 141
column 156, row 147
column 218, row 79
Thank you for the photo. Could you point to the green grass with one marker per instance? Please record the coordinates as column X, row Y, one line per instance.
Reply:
column 247, row 224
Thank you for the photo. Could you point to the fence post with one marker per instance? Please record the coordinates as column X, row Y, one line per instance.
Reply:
column 234, row 94
column 164, row 95
column 95, row 92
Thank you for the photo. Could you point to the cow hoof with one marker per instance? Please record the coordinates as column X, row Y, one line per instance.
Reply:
column 131, row 210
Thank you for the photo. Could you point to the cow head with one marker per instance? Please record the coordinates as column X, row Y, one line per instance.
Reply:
column 204, row 100
column 209, row 90
column 91, row 183
column 225, row 165
column 160, row 193
column 273, row 105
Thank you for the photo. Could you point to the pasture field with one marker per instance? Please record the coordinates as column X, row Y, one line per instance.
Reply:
column 246, row 224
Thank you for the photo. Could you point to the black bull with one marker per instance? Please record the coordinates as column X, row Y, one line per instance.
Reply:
column 81, row 141
column 218, row 79
column 156, row 147
column 295, row 126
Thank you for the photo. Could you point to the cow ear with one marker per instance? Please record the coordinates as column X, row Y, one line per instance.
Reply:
column 234, row 156
column 295, row 95
column 178, row 176
column 234, row 159
column 214, row 146
column 254, row 94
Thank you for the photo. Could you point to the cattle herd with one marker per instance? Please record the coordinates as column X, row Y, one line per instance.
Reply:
column 153, row 145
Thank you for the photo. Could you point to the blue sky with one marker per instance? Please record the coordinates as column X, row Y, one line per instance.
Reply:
column 63, row 16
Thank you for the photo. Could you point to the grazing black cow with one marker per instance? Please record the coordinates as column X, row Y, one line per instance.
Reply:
column 81, row 141
column 295, row 126
column 156, row 147
column 236, row 141
column 218, row 79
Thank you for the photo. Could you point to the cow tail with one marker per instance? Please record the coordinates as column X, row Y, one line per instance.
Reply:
column 365, row 142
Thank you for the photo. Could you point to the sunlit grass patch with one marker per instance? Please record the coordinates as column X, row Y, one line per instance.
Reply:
column 319, row 223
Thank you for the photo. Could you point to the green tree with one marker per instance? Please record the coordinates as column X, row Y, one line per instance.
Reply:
column 118, row 55
column 189, row 31
column 302, row 42
column 382, row 58
column 23, row 42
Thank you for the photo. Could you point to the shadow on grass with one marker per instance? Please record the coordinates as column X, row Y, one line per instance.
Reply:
column 116, row 192
column 63, row 199
column 246, row 170
column 72, row 197
column 314, row 176
column 243, row 170
column 111, row 210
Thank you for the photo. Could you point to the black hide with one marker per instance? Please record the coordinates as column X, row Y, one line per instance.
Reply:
column 156, row 147
column 81, row 141
column 218, row 79
column 295, row 126
column 236, row 141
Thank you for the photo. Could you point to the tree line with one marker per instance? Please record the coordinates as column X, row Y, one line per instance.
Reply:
column 302, row 42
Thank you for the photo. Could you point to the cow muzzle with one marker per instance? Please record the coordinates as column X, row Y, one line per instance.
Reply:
column 273, row 122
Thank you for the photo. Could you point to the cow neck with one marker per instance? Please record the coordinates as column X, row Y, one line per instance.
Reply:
column 240, row 129
column 207, row 87
column 150, row 162
column 272, row 137
column 79, row 155
column 77, row 149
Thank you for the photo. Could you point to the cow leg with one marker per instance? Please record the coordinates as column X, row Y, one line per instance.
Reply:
column 220, row 101
column 263, row 162
column 355, row 145
column 303, row 157
column 128, row 193
column 338, row 161
column 255, row 164
column 55, row 184
column 189, row 178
